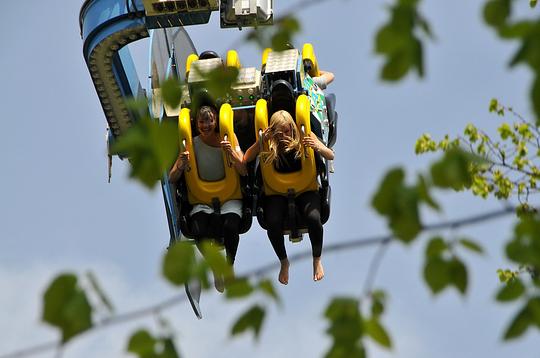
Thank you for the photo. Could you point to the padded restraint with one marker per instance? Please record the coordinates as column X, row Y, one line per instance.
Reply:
column 276, row 183
column 201, row 191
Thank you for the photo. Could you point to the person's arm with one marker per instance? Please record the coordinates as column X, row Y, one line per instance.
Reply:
column 236, row 155
column 323, row 79
column 313, row 142
column 178, row 167
column 252, row 151
column 328, row 76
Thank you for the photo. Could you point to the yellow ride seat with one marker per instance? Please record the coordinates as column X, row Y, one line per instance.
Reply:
column 308, row 53
column 277, row 183
column 201, row 191
column 190, row 59
column 233, row 60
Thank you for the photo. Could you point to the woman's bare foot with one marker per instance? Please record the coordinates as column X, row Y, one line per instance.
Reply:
column 318, row 270
column 284, row 272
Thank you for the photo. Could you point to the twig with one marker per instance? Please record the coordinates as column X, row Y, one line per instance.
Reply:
column 374, row 267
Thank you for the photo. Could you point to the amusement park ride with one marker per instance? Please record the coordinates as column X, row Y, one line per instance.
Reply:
column 282, row 82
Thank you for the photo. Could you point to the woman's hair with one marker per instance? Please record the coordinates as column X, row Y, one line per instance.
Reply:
column 206, row 113
column 278, row 143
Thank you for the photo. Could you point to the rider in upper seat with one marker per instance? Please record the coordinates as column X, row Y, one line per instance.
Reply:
column 324, row 79
column 285, row 150
column 208, row 149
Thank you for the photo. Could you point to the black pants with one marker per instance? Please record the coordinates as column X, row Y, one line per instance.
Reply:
column 227, row 226
column 308, row 205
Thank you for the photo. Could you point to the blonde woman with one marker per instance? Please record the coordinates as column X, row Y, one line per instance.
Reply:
column 285, row 148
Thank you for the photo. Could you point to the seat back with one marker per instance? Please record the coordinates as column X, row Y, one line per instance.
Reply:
column 277, row 183
column 201, row 191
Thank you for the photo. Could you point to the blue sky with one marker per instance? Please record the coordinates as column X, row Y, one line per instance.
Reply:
column 60, row 214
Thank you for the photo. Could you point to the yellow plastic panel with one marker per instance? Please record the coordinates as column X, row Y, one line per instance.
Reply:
column 265, row 55
column 232, row 59
column 201, row 191
column 308, row 53
column 276, row 183
column 191, row 58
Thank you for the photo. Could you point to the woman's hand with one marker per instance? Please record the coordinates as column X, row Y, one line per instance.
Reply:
column 183, row 160
column 310, row 142
column 181, row 163
column 227, row 147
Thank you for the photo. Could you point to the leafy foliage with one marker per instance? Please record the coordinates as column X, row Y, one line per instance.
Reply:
column 144, row 345
column 278, row 37
column 66, row 306
column 179, row 263
column 251, row 320
column 498, row 14
column 171, row 91
column 507, row 166
column 151, row 147
column 399, row 203
column 399, row 40
column 443, row 268
column 348, row 326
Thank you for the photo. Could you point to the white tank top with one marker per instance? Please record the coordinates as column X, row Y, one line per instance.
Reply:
column 209, row 160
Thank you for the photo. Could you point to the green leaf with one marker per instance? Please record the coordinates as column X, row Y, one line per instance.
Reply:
column 267, row 287
column 377, row 305
column 424, row 194
column 496, row 12
column 399, row 204
column 239, row 288
column 436, row 247
column 99, row 291
column 342, row 307
column 376, row 331
column 383, row 200
column 151, row 146
column 252, row 320
column 511, row 291
column 516, row 30
column 471, row 245
column 214, row 256
column 519, row 324
column 179, row 263
column 66, row 307
column 532, row 3
column 218, row 84
column 346, row 328
column 437, row 274
column 534, row 307
column 458, row 275
column 142, row 344
column 286, row 29
column 389, row 40
column 171, row 92
column 396, row 66
column 345, row 320
column 524, row 247
column 339, row 351
column 452, row 171
column 535, row 93
column 169, row 349
column 493, row 105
